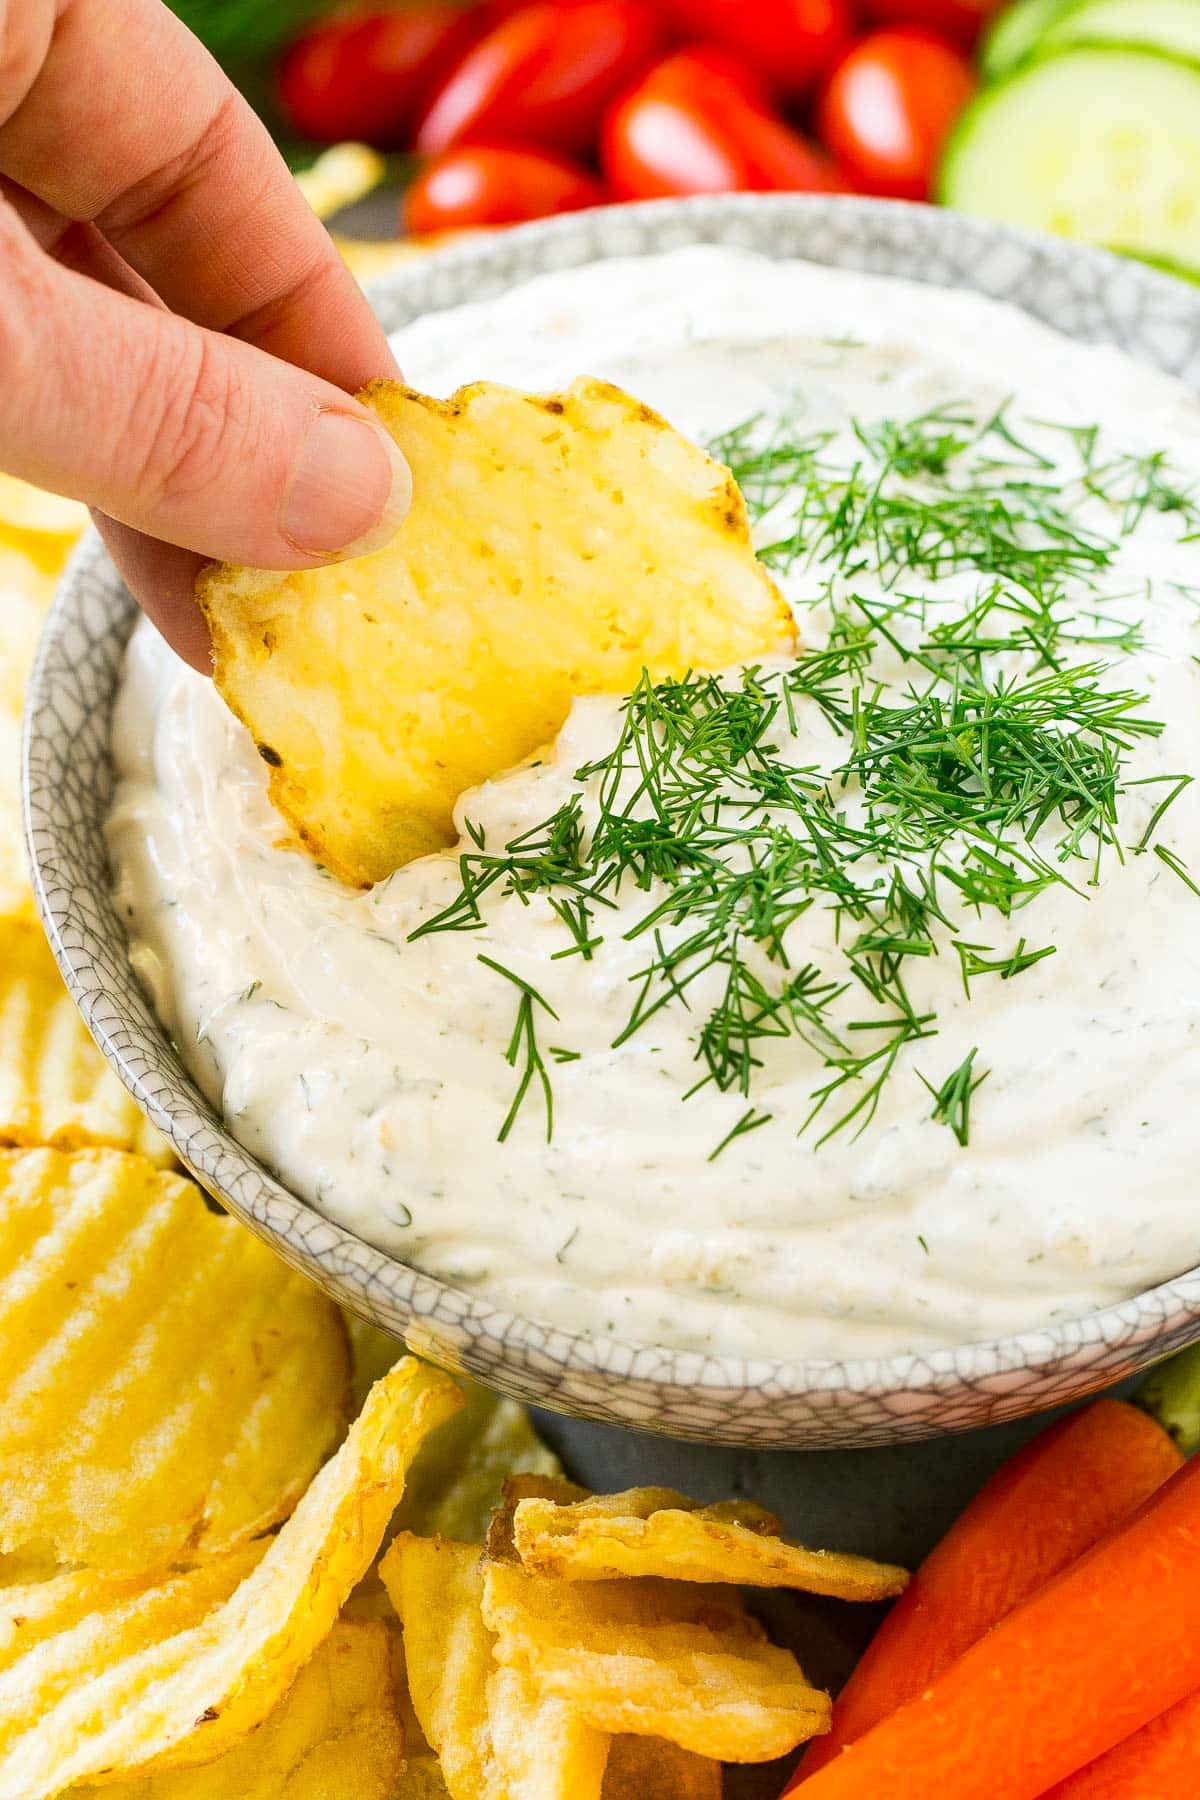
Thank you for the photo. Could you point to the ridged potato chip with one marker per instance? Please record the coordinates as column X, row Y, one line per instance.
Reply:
column 116, row 1676
column 641, row 1768
column 652, row 1531
column 655, row 1659
column 340, row 176
column 55, row 1087
column 16, row 895
column 25, row 595
column 459, row 1479
column 423, row 1779
column 30, row 512
column 557, row 545
column 461, row 1473
column 170, row 1386
column 334, row 1736
column 525, row 1485
column 496, row 1735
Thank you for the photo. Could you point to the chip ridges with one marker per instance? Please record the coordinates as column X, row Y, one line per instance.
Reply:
column 171, row 1387
column 652, row 1531
column 378, row 690
column 334, row 1736
column 143, row 1674
column 55, row 1087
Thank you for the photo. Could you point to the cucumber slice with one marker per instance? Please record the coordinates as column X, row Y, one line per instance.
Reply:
column 1097, row 144
column 1172, row 26
column 1016, row 32
column 1165, row 264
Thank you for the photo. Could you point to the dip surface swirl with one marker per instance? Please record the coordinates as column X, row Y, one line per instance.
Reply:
column 967, row 1108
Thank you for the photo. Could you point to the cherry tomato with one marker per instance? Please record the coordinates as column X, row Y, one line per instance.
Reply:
column 888, row 107
column 492, row 184
column 361, row 73
column 957, row 19
column 692, row 126
column 793, row 43
column 543, row 76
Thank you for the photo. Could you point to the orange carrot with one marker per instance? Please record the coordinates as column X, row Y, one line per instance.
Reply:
column 1156, row 1763
column 1105, row 1647
column 1057, row 1497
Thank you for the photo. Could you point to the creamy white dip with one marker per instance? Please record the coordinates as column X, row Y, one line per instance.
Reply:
column 369, row 1070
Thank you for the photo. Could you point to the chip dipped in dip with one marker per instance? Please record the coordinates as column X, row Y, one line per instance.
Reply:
column 837, row 1005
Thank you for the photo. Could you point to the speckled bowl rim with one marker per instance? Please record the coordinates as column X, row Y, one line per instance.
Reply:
column 726, row 1399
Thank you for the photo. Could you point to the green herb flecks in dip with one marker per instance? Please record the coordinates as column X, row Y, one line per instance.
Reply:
column 991, row 770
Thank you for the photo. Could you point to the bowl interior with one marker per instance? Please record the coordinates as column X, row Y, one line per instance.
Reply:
column 730, row 1400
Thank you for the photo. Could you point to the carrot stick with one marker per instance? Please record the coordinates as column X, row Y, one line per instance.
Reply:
column 1156, row 1763
column 1058, row 1496
column 1105, row 1647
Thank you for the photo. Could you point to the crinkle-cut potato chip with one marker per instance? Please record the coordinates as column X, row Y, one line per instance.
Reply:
column 423, row 1779
column 16, row 895
column 55, row 1087
column 461, row 1473
column 655, row 1659
column 31, row 511
column 525, row 1485
column 557, row 545
column 25, row 595
column 496, row 1735
column 650, row 1531
column 170, row 1386
column 334, row 1736
column 640, row 1768
column 340, row 176
column 179, row 1668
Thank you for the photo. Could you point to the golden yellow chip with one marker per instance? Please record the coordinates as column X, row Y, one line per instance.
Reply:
column 173, row 1672
column 462, row 1471
column 341, row 175
column 55, row 1087
column 32, row 511
column 334, row 1736
column 496, row 1735
column 641, row 1768
column 170, row 1386
column 423, row 1779
column 16, row 895
column 526, row 1485
column 651, row 1531
column 655, row 1659
column 556, row 546
column 25, row 595
column 460, row 1476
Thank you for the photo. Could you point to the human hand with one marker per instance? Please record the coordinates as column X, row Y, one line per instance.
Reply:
column 179, row 340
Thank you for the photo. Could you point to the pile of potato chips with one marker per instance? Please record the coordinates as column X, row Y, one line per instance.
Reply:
column 203, row 1462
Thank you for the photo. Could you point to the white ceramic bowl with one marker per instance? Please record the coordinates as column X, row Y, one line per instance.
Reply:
column 725, row 1399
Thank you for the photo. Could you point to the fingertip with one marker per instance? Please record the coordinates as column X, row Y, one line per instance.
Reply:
column 350, row 488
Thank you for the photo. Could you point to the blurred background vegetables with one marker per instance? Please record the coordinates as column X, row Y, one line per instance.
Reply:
column 1075, row 116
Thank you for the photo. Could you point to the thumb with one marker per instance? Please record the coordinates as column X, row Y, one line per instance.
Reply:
column 183, row 434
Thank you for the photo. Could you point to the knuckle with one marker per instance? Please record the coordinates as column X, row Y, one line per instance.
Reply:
column 167, row 183
column 201, row 410
column 26, row 34
column 26, row 299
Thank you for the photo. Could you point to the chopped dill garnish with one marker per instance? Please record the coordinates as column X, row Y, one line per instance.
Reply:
column 988, row 771
column 749, row 1121
column 523, row 1048
column 952, row 1101
column 1177, row 866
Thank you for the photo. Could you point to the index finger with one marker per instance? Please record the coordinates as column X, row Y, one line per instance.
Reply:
column 123, row 119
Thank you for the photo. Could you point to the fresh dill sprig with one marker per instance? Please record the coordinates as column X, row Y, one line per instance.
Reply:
column 991, row 771
column 952, row 1101
column 523, row 1049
